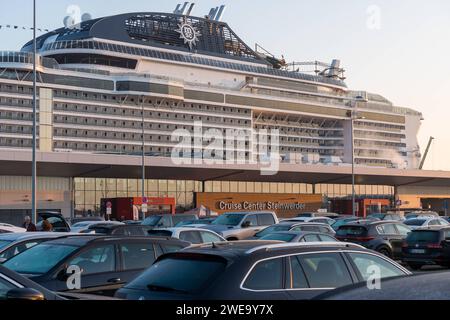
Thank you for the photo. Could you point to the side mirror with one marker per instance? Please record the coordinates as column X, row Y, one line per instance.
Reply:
column 245, row 224
column 24, row 294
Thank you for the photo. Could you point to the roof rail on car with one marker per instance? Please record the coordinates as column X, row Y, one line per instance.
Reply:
column 303, row 245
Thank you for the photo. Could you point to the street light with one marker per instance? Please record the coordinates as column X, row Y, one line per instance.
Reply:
column 143, row 157
column 353, row 116
column 33, row 160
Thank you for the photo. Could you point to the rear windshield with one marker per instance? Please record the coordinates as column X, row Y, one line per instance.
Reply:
column 179, row 275
column 272, row 229
column 286, row 237
column 423, row 236
column 163, row 233
column 351, row 231
column 414, row 222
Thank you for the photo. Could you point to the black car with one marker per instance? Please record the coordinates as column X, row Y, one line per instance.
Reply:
column 256, row 270
column 56, row 219
column 294, row 226
column 386, row 237
column 427, row 246
column 130, row 230
column 425, row 286
column 167, row 220
column 106, row 263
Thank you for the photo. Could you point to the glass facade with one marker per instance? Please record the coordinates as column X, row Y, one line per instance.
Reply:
column 89, row 191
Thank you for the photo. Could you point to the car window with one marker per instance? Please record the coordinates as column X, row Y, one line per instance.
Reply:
column 165, row 222
column 96, row 260
column 402, row 229
column 5, row 286
column 137, row 255
column 311, row 238
column 136, row 231
column 324, row 237
column 120, row 231
column 433, row 222
column 325, row 270
column 180, row 218
column 266, row 275
column 306, row 228
column 253, row 220
column 386, row 229
column 167, row 248
column 191, row 236
column 209, row 237
column 369, row 265
column 265, row 219
column 15, row 250
column 446, row 235
column 324, row 229
column 298, row 278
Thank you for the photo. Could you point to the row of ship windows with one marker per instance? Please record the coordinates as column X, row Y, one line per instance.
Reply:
column 380, row 135
column 11, row 88
column 147, row 114
column 16, row 102
column 138, row 101
column 367, row 125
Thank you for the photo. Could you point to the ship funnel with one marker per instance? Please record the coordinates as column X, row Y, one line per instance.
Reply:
column 184, row 9
column 216, row 13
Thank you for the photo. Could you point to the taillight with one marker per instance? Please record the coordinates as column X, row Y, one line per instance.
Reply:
column 434, row 246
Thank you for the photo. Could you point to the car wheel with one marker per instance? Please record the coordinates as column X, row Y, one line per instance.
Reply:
column 385, row 252
column 415, row 266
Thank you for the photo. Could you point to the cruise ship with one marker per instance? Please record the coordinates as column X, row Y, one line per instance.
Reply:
column 105, row 82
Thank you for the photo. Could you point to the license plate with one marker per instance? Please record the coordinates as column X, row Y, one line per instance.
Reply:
column 417, row 251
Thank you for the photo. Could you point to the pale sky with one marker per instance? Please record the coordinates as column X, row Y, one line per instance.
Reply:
column 397, row 48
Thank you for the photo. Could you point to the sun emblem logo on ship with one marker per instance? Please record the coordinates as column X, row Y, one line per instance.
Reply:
column 188, row 33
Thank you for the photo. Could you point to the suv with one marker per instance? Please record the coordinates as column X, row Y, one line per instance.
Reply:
column 427, row 246
column 294, row 226
column 106, row 263
column 257, row 270
column 386, row 237
column 167, row 220
column 117, row 229
column 241, row 225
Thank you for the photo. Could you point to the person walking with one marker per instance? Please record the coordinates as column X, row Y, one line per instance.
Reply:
column 28, row 225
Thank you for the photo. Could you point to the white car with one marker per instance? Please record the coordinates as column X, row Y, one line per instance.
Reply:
column 6, row 228
column 192, row 235
column 83, row 226
column 325, row 220
column 422, row 222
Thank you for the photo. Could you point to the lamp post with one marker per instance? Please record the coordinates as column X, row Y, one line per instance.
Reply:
column 353, row 116
column 143, row 158
column 33, row 160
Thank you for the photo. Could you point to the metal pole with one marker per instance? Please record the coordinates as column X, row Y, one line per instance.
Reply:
column 143, row 156
column 33, row 161
column 353, row 167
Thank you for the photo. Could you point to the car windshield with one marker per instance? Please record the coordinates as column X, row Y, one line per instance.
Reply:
column 151, row 221
column 229, row 219
column 423, row 236
column 286, row 237
column 179, row 275
column 415, row 222
column 39, row 259
column 272, row 229
column 4, row 243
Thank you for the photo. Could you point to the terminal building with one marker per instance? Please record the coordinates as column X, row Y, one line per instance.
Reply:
column 206, row 114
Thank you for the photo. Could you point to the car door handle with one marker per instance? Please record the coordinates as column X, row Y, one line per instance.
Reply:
column 114, row 280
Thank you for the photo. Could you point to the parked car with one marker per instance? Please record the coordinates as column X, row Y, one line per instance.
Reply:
column 15, row 287
column 296, row 236
column 386, row 216
column 56, row 219
column 191, row 235
column 422, row 222
column 424, row 214
column 342, row 221
column 9, row 228
column 241, row 225
column 325, row 220
column 107, row 263
column 425, row 286
column 73, row 221
column 256, row 270
column 427, row 246
column 81, row 227
column 200, row 222
column 117, row 229
column 386, row 237
column 317, row 214
column 167, row 220
column 12, row 244
column 294, row 226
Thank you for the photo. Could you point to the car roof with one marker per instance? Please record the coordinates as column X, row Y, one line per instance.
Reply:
column 298, row 233
column 83, row 240
column 31, row 235
column 235, row 249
